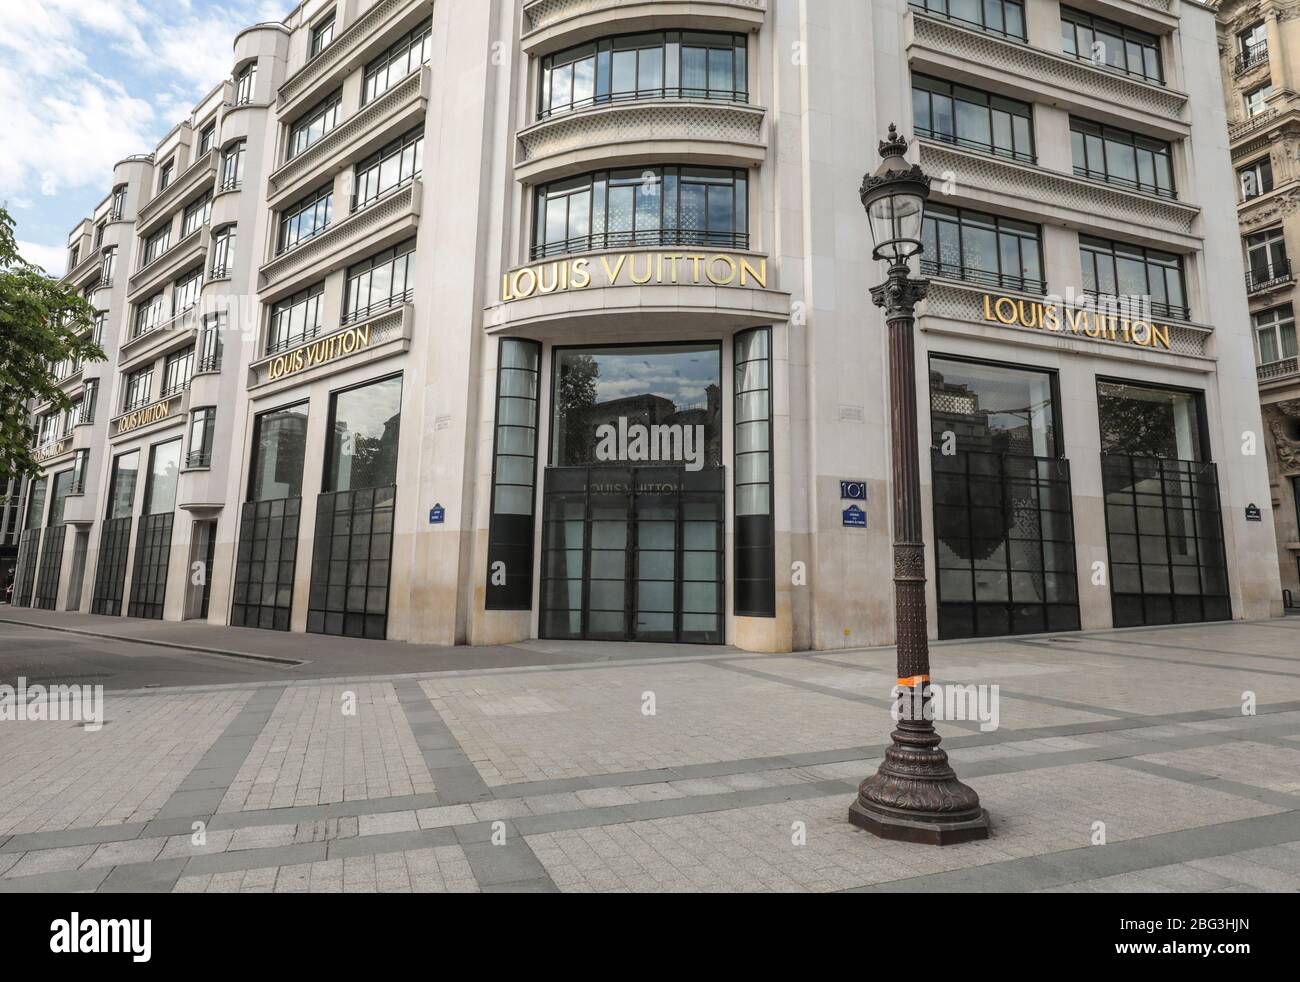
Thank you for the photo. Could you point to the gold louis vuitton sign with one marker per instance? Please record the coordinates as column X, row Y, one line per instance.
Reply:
column 329, row 349
column 1080, row 321
column 144, row 417
column 635, row 269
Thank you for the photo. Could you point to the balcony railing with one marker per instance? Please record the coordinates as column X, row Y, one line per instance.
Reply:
column 212, row 363
column 355, row 204
column 988, row 148
column 176, row 388
column 1249, row 59
column 939, row 12
column 651, row 237
column 1259, row 278
column 388, row 303
column 1138, row 307
column 1123, row 182
column 199, row 458
column 984, row 277
column 662, row 94
column 293, row 340
column 1252, row 123
column 1279, row 369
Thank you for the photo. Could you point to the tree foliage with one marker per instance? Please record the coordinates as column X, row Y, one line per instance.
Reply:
column 42, row 322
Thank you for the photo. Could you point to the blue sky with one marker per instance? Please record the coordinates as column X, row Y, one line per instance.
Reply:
column 84, row 83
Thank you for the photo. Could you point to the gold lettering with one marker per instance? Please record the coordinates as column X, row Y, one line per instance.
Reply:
column 612, row 274
column 649, row 271
column 747, row 269
column 1051, row 319
column 731, row 271
column 555, row 278
column 581, row 278
column 1034, row 318
column 1160, row 336
column 520, row 292
column 998, row 308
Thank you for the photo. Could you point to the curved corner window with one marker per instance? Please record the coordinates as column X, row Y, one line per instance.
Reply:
column 654, row 206
column 659, row 65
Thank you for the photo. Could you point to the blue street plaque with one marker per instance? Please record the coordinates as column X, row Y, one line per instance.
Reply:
column 437, row 515
column 853, row 490
column 855, row 517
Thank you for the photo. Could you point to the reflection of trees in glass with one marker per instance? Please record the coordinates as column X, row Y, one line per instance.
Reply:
column 373, row 456
column 575, row 401
column 1137, row 427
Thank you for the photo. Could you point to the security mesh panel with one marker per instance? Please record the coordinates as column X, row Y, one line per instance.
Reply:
column 633, row 555
column 1004, row 545
column 110, row 570
column 350, row 565
column 1167, row 562
column 29, row 544
column 47, row 582
column 149, row 581
column 209, row 558
column 264, row 564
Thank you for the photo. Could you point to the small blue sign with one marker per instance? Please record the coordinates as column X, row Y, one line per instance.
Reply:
column 853, row 490
column 855, row 517
column 1253, row 513
column 437, row 515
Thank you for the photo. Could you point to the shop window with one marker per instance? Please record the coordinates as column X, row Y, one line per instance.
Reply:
column 115, row 536
column 755, row 543
column 154, row 538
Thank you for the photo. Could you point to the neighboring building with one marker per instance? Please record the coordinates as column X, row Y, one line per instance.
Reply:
column 1259, row 46
column 551, row 319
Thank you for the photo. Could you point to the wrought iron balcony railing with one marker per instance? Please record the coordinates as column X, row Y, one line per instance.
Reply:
column 1260, row 278
column 698, row 238
column 984, row 277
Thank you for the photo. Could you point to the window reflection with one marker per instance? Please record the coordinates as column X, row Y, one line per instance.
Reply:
column 363, row 434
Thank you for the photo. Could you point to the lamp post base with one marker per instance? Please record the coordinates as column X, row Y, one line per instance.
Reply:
column 916, row 797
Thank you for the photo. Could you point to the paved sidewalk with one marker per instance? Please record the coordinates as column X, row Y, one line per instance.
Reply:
column 1123, row 761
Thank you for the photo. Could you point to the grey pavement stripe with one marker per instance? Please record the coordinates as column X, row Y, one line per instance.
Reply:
column 1177, row 661
column 32, row 841
column 67, row 881
column 225, row 862
column 1095, row 862
column 1281, row 799
column 156, row 877
column 1193, row 649
column 204, row 787
column 371, row 845
column 511, row 863
column 455, row 779
column 1027, row 697
column 297, row 814
column 827, row 690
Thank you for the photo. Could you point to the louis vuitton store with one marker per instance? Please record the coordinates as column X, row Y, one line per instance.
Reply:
column 647, row 447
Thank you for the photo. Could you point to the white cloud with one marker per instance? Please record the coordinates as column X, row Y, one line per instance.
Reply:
column 85, row 83
column 53, row 259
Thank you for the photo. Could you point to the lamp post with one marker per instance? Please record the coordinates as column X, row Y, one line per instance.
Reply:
column 915, row 796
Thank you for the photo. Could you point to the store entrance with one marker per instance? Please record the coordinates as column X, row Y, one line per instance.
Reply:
column 633, row 554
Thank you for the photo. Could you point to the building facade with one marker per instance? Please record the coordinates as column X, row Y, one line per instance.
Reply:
column 550, row 319
column 1259, row 45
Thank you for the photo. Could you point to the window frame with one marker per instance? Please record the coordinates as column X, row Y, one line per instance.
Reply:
column 1081, row 21
column 992, row 106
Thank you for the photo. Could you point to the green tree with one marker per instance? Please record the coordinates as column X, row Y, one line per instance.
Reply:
column 42, row 322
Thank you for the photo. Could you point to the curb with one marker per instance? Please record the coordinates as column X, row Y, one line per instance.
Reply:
column 196, row 649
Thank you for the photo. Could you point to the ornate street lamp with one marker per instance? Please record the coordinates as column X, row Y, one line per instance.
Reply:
column 915, row 796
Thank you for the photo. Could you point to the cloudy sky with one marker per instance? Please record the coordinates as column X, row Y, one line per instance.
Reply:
column 84, row 83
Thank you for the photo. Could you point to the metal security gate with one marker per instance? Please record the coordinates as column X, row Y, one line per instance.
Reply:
column 110, row 570
column 1165, row 532
column 1004, row 545
column 152, row 554
column 29, row 545
column 47, row 581
column 265, row 562
column 351, row 563
column 633, row 555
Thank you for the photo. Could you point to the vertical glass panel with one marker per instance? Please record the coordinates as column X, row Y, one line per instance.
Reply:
column 993, row 409
column 164, row 469
column 279, row 451
column 121, row 488
column 363, row 436
column 1145, row 421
